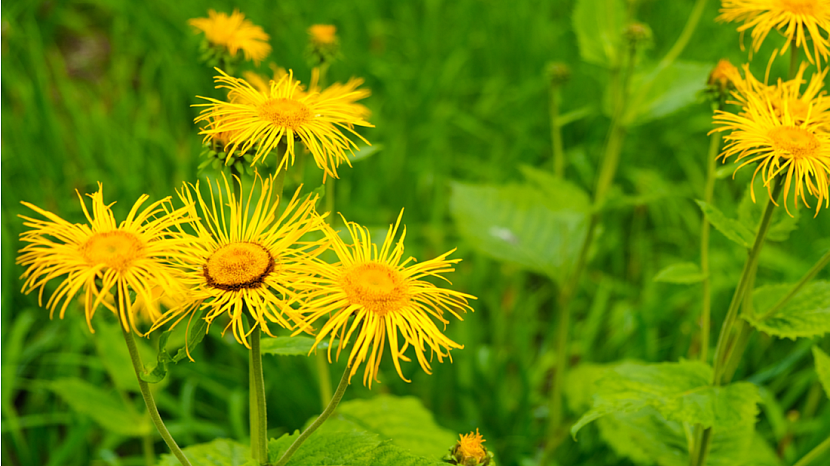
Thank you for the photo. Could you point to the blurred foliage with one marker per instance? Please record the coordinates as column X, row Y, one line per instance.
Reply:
column 102, row 91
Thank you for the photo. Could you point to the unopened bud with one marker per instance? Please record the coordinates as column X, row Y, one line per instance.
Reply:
column 638, row 34
column 723, row 76
column 558, row 73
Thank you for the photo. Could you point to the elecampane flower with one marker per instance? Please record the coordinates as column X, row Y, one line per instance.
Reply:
column 245, row 256
column 234, row 32
column 108, row 261
column 376, row 296
column 264, row 119
column 787, row 94
column 783, row 144
column 798, row 20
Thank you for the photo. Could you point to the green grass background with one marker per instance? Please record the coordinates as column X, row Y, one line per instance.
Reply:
column 102, row 91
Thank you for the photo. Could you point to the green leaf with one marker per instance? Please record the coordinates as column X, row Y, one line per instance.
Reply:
column 290, row 346
column 661, row 91
column 109, row 343
column 822, row 368
column 220, row 452
column 731, row 228
column 363, row 152
column 678, row 391
column 336, row 448
column 682, row 273
column 598, row 25
column 750, row 213
column 196, row 331
column 532, row 225
column 403, row 420
column 102, row 406
column 805, row 315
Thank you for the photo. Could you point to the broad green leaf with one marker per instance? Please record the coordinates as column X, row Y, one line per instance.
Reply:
column 822, row 368
column 403, row 420
column 646, row 437
column 523, row 224
column 290, row 346
column 749, row 213
column 678, row 391
column 355, row 448
column 731, row 228
column 220, row 452
column 661, row 91
column 559, row 194
column 103, row 406
column 598, row 25
column 806, row 315
column 682, row 273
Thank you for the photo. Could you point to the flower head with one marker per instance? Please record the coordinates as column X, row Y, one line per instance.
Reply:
column 264, row 119
column 109, row 261
column 723, row 75
column 796, row 19
column 233, row 33
column 245, row 257
column 387, row 298
column 786, row 144
column 470, row 451
column 786, row 94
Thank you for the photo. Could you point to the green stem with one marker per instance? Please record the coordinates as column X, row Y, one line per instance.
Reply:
column 259, row 421
column 335, row 400
column 793, row 60
column 726, row 343
column 749, row 267
column 708, row 194
column 556, row 133
column 797, row 287
column 149, row 451
column 605, row 178
column 325, row 378
column 148, row 399
column 814, row 453
column 685, row 36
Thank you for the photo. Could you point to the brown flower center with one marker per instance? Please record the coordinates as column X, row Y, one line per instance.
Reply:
column 116, row 249
column 285, row 112
column 377, row 287
column 238, row 265
column 792, row 142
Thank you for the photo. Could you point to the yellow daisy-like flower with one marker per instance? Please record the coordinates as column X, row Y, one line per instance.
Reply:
column 244, row 257
column 470, row 449
column 787, row 94
column 234, row 32
column 784, row 144
column 386, row 297
column 283, row 114
column 108, row 261
column 796, row 19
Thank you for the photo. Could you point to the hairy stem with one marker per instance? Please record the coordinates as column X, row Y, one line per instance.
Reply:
column 556, row 132
column 259, row 420
column 149, row 400
column 335, row 400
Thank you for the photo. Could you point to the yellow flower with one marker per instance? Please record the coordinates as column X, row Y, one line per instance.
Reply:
column 283, row 113
column 234, row 32
column 244, row 257
column 323, row 34
column 787, row 94
column 108, row 261
column 796, row 19
column 469, row 450
column 386, row 296
column 784, row 143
